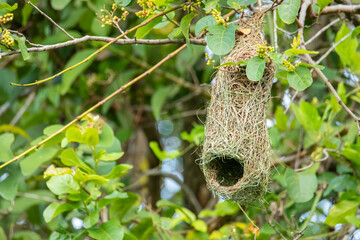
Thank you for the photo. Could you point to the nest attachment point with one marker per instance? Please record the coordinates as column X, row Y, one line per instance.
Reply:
column 235, row 158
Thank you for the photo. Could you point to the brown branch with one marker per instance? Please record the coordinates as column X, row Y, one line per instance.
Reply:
column 341, row 8
column 50, row 19
column 302, row 17
column 107, row 39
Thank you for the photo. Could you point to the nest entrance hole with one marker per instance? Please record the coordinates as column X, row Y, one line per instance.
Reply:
column 228, row 170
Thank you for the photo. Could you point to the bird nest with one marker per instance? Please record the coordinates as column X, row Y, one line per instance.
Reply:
column 235, row 158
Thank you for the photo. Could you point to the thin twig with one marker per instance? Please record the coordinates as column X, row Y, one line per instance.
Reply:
column 106, row 39
column 275, row 31
column 81, row 116
column 100, row 49
column 22, row 110
column 257, row 228
column 332, row 48
column 50, row 19
column 321, row 31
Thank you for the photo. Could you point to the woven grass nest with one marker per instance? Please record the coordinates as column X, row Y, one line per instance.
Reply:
column 235, row 158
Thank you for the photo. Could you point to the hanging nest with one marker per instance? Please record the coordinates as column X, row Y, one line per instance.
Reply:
column 235, row 158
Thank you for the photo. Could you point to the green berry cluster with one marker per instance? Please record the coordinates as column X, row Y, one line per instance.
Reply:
column 191, row 6
column 6, row 39
column 263, row 50
column 6, row 18
column 218, row 18
column 288, row 65
column 109, row 18
column 148, row 7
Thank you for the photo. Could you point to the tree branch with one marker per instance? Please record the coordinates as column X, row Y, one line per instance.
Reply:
column 106, row 39
column 302, row 17
column 341, row 8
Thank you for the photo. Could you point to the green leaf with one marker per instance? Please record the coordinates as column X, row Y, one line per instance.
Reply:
column 91, row 219
column 8, row 7
column 316, row 8
column 69, row 76
column 323, row 3
column 307, row 115
column 55, row 209
column 84, row 177
column 158, row 99
column 118, row 171
column 352, row 152
column 32, row 162
column 90, row 136
column 300, row 79
column 353, row 220
column 196, row 135
column 110, row 230
column 104, row 156
column 340, row 183
column 238, row 4
column 59, row 4
column 281, row 119
column 221, row 40
column 274, row 136
column 199, row 225
column 340, row 211
column 176, row 32
column 162, row 155
column 347, row 50
column 255, row 68
column 26, row 235
column 355, row 32
column 9, row 186
column 24, row 53
column 288, row 11
column 185, row 25
column 122, row 3
column 221, row 209
column 112, row 197
column 341, row 91
column 13, row 129
column 145, row 30
column 71, row 159
column 63, row 184
column 203, row 23
column 106, row 137
column 6, row 140
column 2, row 234
column 294, row 52
column 301, row 187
